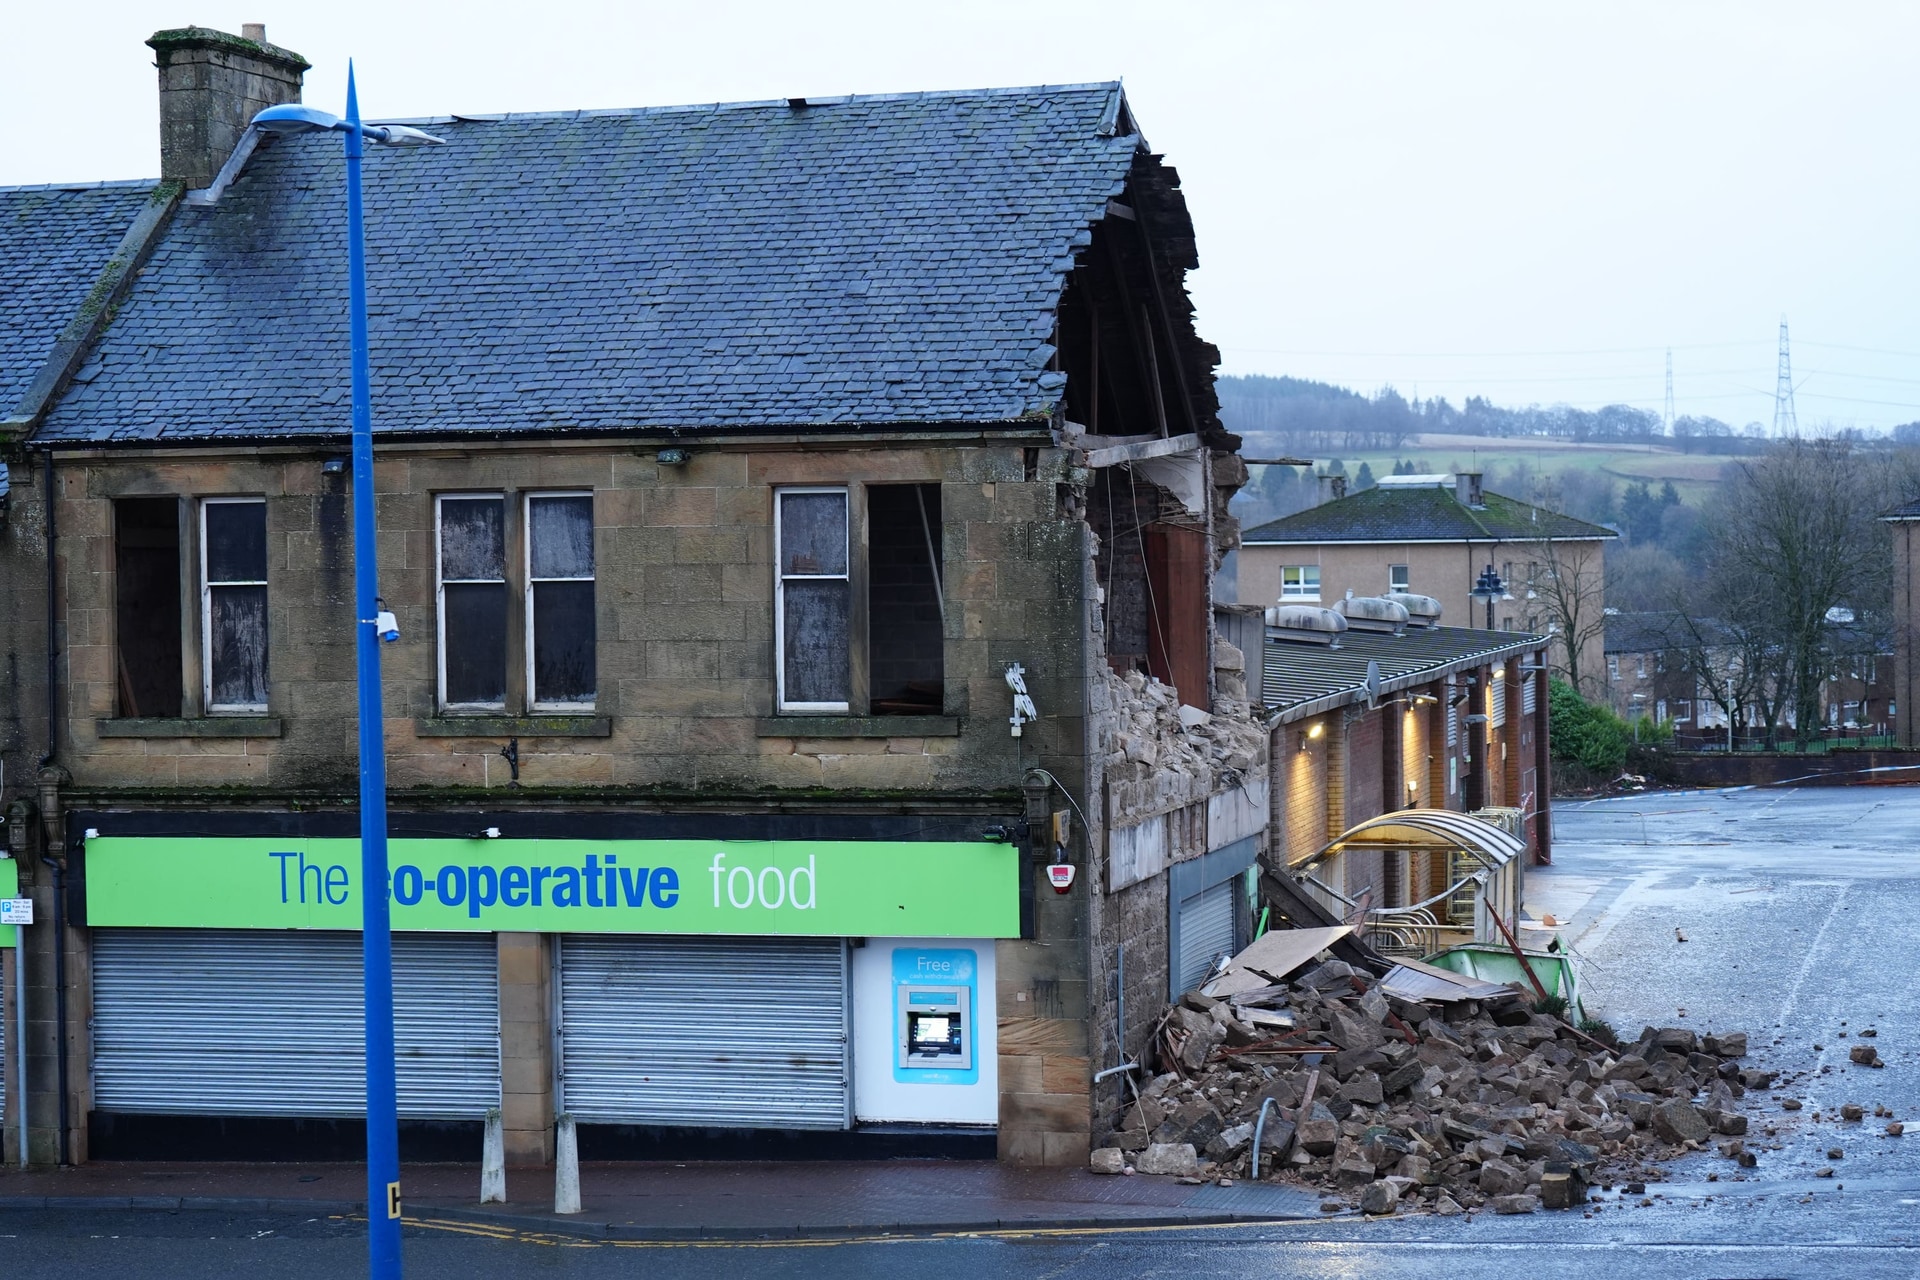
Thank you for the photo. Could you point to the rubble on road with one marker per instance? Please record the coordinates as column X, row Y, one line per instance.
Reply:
column 1390, row 1103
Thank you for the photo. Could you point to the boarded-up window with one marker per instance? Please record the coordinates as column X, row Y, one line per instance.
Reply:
column 562, row 671
column 812, row 599
column 906, row 635
column 233, row 603
column 146, row 561
column 472, row 539
column 1526, row 694
column 1497, row 700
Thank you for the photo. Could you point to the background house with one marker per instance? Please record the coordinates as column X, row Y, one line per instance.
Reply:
column 1435, row 536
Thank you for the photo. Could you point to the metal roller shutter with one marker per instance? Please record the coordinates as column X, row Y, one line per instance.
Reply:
column 255, row 1023
column 734, row 1032
column 1206, row 932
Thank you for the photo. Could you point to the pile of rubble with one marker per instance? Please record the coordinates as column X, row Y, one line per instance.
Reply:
column 1166, row 754
column 1449, row 1105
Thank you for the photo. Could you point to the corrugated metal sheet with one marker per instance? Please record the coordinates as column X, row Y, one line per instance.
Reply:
column 734, row 1032
column 1295, row 675
column 1206, row 932
column 256, row 1023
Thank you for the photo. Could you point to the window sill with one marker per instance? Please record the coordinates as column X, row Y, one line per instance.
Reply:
column 537, row 726
column 857, row 727
column 196, row 727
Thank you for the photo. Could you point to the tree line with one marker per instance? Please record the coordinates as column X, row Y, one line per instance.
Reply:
column 1319, row 418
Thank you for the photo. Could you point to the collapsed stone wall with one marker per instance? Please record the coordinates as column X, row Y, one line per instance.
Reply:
column 1449, row 1107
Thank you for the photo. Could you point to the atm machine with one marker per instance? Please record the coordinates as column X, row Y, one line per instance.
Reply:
column 935, row 1007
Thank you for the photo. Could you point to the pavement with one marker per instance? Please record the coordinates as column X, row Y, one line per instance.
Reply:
column 1798, row 910
column 682, row 1201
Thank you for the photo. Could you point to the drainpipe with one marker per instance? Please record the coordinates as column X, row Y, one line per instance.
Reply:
column 52, row 660
column 52, row 833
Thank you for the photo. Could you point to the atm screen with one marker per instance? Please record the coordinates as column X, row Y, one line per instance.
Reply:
column 932, row 1031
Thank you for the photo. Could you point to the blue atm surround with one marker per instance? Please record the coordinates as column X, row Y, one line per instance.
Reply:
column 942, row 976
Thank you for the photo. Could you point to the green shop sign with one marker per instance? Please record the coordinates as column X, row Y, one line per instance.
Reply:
column 9, row 888
column 800, row 888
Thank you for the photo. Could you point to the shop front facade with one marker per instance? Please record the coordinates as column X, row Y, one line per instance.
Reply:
column 790, row 993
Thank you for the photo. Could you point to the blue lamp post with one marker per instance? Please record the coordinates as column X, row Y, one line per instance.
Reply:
column 372, row 625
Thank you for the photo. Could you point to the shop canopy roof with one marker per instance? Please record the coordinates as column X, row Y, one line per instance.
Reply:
column 1488, row 844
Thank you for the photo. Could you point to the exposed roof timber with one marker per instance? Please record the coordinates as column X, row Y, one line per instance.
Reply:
column 1114, row 455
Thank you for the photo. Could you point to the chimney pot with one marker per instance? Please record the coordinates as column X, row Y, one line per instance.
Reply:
column 1333, row 487
column 212, row 84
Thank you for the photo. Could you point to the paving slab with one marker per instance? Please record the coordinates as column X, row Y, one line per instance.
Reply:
column 684, row 1200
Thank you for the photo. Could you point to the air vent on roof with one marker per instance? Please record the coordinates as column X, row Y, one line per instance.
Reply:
column 1422, row 611
column 1306, row 623
column 1372, row 613
column 798, row 104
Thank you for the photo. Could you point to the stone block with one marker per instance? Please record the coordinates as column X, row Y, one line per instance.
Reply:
column 1379, row 1197
column 1108, row 1160
column 1678, row 1120
column 1176, row 1159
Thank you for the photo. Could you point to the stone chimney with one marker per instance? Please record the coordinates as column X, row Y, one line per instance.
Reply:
column 211, row 85
column 1466, row 490
column 1333, row 487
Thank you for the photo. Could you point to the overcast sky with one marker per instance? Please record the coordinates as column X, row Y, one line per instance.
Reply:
column 1531, row 202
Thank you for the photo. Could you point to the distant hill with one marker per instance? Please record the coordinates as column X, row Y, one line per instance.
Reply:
column 1305, row 417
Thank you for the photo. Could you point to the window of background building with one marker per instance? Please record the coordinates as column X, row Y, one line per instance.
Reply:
column 233, row 603
column 1398, row 578
column 561, row 669
column 1300, row 582
column 813, row 596
column 472, row 559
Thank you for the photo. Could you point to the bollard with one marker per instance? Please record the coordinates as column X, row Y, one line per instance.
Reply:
column 566, row 1168
column 493, row 1160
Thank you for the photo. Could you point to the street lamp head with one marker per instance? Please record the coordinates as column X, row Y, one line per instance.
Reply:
column 400, row 135
column 297, row 117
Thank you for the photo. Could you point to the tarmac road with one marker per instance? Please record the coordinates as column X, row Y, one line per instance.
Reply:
column 1798, row 908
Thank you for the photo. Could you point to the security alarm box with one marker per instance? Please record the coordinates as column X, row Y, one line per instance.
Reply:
column 935, row 1027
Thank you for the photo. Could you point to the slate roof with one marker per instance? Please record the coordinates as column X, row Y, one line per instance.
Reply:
column 1299, row 678
column 1386, row 514
column 858, row 261
column 1905, row 511
column 54, row 242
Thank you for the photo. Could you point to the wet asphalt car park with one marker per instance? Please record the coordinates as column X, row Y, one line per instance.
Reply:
column 1798, row 911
